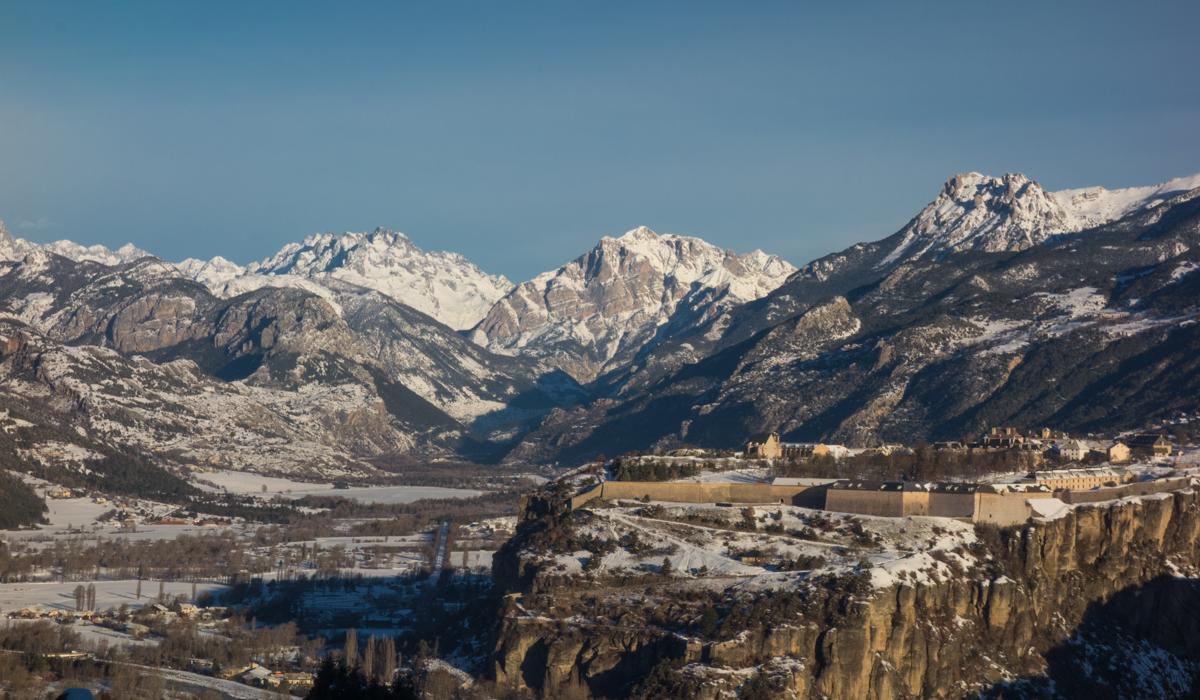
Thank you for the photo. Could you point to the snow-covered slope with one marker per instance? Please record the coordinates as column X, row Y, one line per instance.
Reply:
column 12, row 249
column 1093, row 206
column 600, row 309
column 1013, row 212
column 444, row 285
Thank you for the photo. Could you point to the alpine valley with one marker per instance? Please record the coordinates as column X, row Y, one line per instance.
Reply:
column 999, row 302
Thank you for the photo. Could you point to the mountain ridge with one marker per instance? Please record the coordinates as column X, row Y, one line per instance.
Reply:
column 613, row 301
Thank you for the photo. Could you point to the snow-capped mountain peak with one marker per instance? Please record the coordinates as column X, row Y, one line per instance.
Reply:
column 212, row 272
column 444, row 285
column 12, row 249
column 1013, row 212
column 1093, row 206
column 593, row 312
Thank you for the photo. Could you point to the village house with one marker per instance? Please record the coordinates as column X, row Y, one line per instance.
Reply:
column 1149, row 445
column 1004, row 438
column 187, row 610
column 764, row 446
column 1118, row 453
column 298, row 679
column 767, row 445
column 812, row 450
column 1070, row 451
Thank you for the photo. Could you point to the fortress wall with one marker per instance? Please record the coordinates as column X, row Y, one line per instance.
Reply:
column 1005, row 509
column 951, row 505
column 694, row 492
column 590, row 494
column 996, row 508
column 915, row 503
column 886, row 503
column 1137, row 489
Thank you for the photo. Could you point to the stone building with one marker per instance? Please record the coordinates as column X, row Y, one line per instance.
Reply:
column 1118, row 452
column 1079, row 479
column 1149, row 445
column 764, row 446
column 1071, row 450
column 812, row 450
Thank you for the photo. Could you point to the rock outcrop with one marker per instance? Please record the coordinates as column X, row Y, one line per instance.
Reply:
column 976, row 632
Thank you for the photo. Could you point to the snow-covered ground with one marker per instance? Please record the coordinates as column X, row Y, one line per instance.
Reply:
column 109, row 594
column 78, row 517
column 253, row 484
column 735, row 476
column 709, row 541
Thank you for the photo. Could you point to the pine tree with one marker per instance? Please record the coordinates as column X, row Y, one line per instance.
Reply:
column 666, row 569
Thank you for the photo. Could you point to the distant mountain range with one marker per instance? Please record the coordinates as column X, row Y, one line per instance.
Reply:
column 998, row 302
column 445, row 286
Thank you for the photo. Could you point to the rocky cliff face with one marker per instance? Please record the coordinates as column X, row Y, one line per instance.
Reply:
column 1024, row 616
column 361, row 374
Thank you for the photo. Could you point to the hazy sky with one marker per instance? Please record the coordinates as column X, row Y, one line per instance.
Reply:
column 518, row 133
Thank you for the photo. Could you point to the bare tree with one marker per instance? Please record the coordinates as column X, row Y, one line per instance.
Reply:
column 389, row 659
column 368, row 663
column 351, row 651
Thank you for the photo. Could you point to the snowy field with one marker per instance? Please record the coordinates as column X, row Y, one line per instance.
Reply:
column 109, row 594
column 77, row 516
column 93, row 635
column 252, row 484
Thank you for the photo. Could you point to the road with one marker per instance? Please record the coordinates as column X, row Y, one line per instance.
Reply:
column 439, row 551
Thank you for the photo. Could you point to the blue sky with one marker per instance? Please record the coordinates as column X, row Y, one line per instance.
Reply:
column 518, row 133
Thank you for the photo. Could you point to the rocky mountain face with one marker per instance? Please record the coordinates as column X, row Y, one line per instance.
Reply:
column 443, row 285
column 972, row 214
column 73, row 406
column 1091, row 331
column 1076, row 606
column 339, row 378
column 1011, row 213
column 623, row 298
column 999, row 302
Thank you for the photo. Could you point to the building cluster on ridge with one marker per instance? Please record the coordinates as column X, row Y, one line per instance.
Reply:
column 1039, row 492
column 1039, row 446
